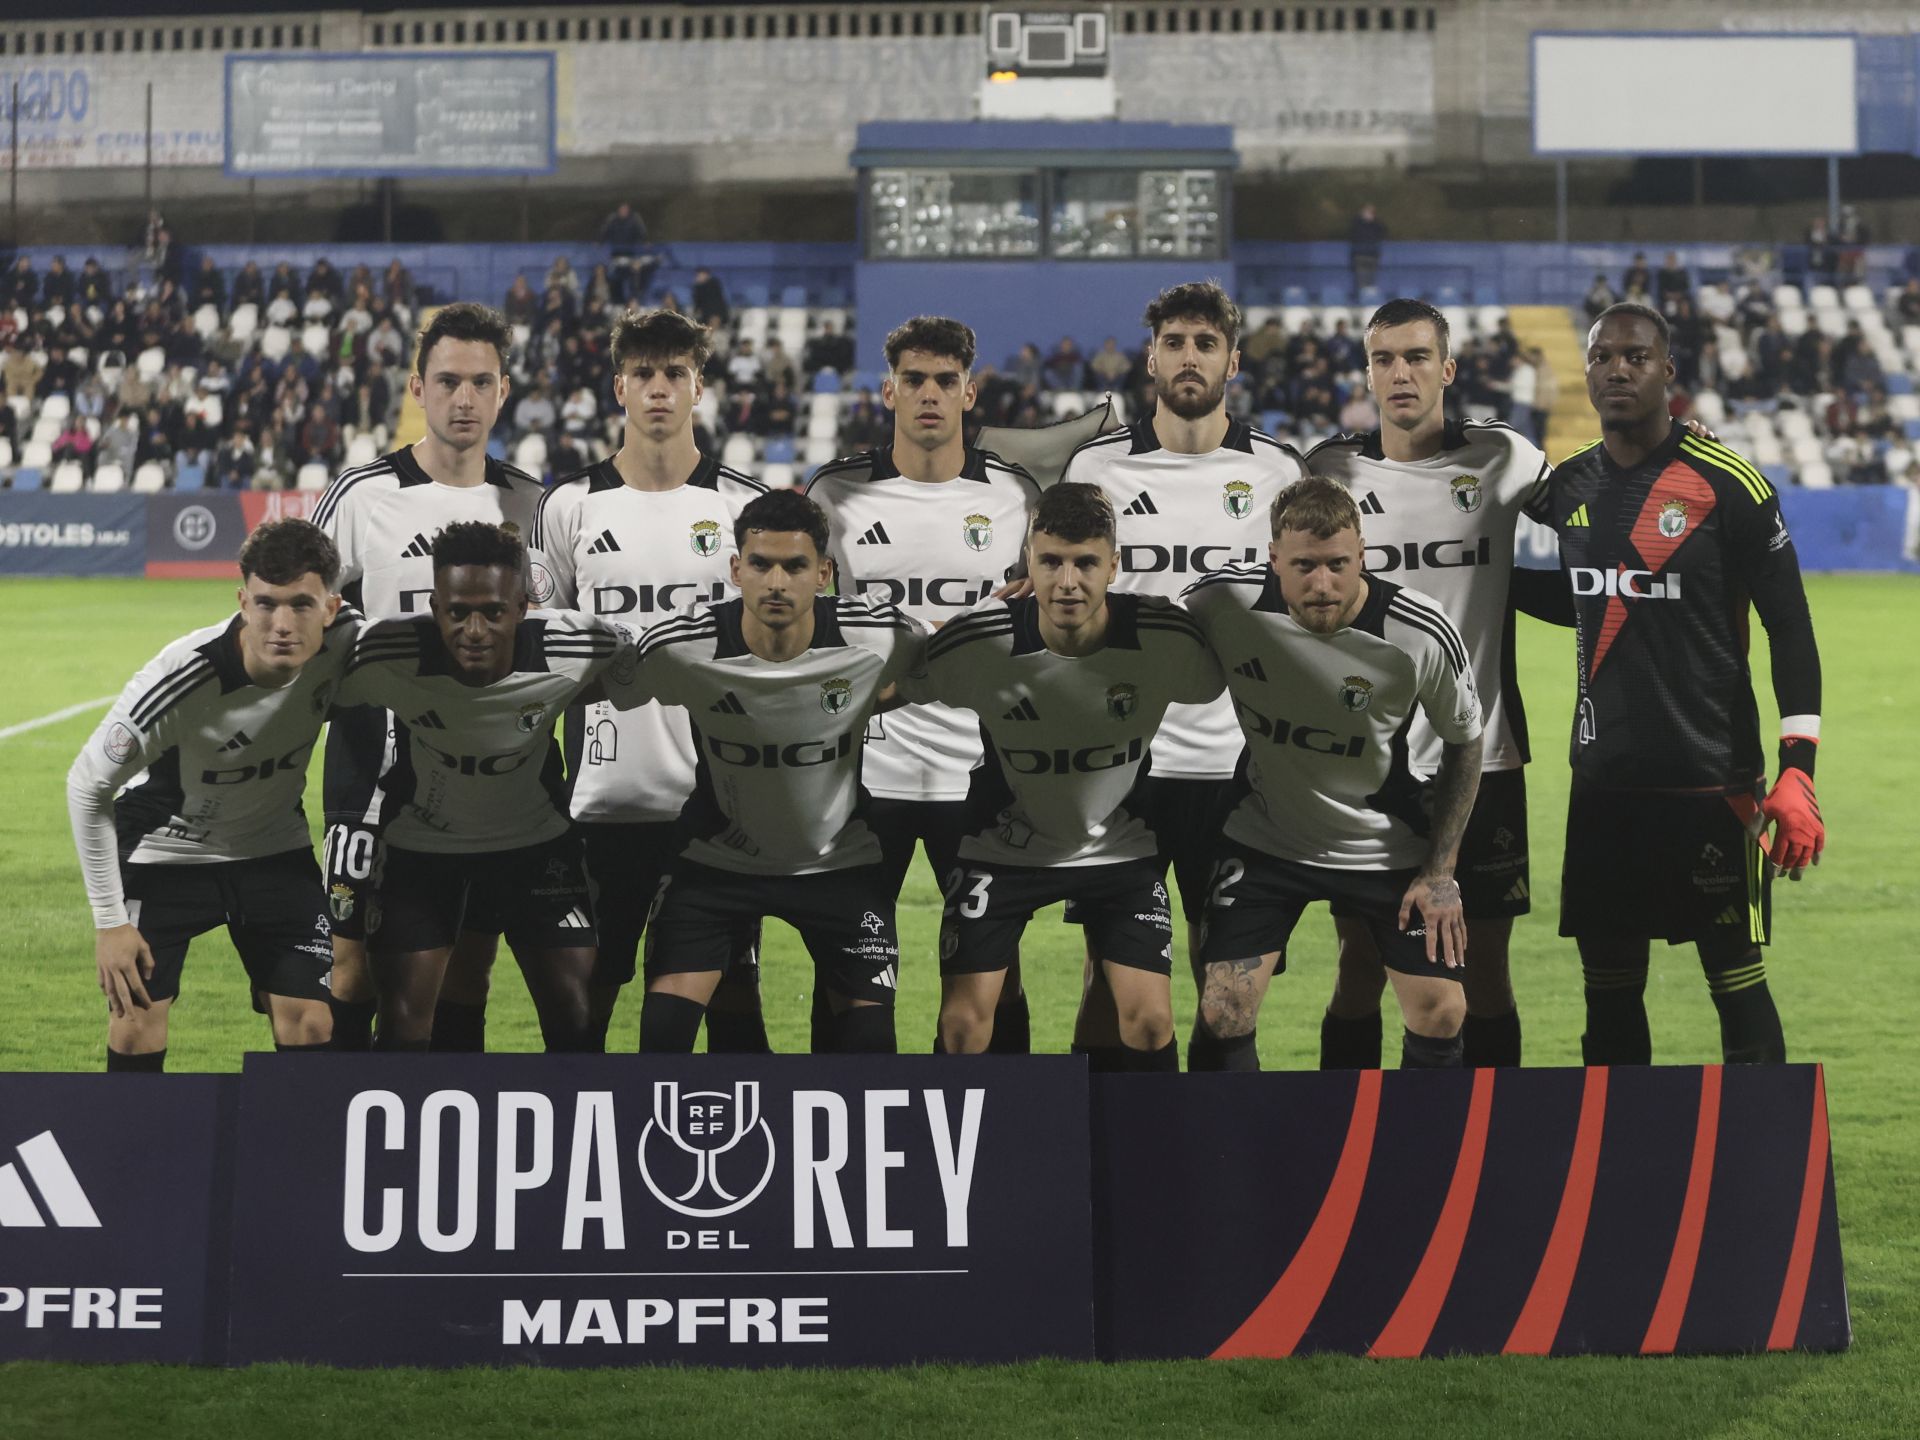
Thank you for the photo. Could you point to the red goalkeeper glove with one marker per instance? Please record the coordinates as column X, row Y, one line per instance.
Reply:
column 1799, row 834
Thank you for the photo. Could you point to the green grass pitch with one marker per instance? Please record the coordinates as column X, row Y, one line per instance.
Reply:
column 1842, row 971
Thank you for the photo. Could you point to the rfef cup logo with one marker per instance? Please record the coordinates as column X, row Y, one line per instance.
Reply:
column 706, row 1153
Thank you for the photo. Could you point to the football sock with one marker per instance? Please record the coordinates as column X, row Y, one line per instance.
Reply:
column 1749, row 1023
column 121, row 1063
column 1241, row 1052
column 460, row 1028
column 1490, row 1039
column 391, row 1044
column 737, row 1032
column 597, row 1028
column 1012, row 1027
column 1106, row 1059
column 302, row 1049
column 1617, row 1032
column 1165, row 1060
column 820, row 1023
column 1429, row 1052
column 1204, row 1050
column 1349, row 1042
column 352, row 1024
column 669, row 1024
column 864, row 1030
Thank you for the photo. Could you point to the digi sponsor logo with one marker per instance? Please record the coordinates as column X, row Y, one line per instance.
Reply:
column 1625, row 583
column 1433, row 555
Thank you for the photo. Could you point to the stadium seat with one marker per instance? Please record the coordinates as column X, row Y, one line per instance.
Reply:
column 1459, row 321
column 38, row 454
column 1794, row 323
column 826, row 382
column 150, row 478
column 29, row 477
column 530, row 454
column 312, row 477
column 275, row 342
column 109, row 480
column 820, row 451
column 244, row 323
column 315, row 340
column 56, row 407
column 738, row 453
column 1911, row 429
column 78, row 354
column 1900, row 383
column 1823, row 297
column 1254, row 318
column 187, row 475
column 834, row 315
column 280, row 310
column 794, row 296
column 206, row 322
column 777, row 477
column 363, row 449
column 68, row 478
column 1831, row 320
column 1794, row 424
column 46, row 429
column 151, row 362
column 22, row 407
column 1488, row 318
column 751, row 324
column 6, row 453
column 1710, row 409
column 779, row 450
column 1816, row 475
column 755, row 294
column 1067, row 404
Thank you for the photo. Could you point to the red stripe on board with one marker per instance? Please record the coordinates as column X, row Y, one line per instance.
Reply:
column 1671, row 1307
column 1413, row 1318
column 1539, row 1320
column 1793, row 1293
column 191, row 569
column 1278, row 1322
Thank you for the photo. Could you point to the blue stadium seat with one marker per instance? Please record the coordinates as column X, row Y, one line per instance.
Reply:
column 28, row 478
column 1294, row 295
column 1336, row 292
column 834, row 297
column 1275, row 422
column 1912, row 428
column 1899, row 384
column 497, row 447
column 190, row 475
column 751, row 296
column 794, row 297
column 1779, row 476
column 1370, row 295
column 864, row 380
column 826, row 382
column 1447, row 295
column 779, row 450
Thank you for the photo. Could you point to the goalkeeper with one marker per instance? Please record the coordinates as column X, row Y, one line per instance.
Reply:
column 1665, row 539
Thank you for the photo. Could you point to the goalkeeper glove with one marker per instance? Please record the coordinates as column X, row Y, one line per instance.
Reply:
column 1793, row 810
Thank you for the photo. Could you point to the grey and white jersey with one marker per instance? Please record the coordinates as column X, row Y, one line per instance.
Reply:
column 634, row 557
column 934, row 550
column 1446, row 524
column 1067, row 737
column 779, row 743
column 1181, row 516
column 206, row 765
column 382, row 518
column 1326, row 717
column 474, row 776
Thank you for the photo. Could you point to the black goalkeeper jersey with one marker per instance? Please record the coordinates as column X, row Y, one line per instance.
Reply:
column 1663, row 559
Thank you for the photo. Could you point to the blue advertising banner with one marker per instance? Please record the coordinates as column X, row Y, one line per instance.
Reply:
column 72, row 534
column 114, row 1198
column 195, row 536
column 599, row 1210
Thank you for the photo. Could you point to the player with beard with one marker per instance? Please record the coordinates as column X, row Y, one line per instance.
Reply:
column 1191, row 488
column 382, row 518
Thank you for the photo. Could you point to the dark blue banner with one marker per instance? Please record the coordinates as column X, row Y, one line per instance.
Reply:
column 72, row 534
column 457, row 1210
column 113, row 1216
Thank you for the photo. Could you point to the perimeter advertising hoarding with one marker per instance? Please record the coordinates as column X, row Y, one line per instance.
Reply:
column 43, row 534
column 446, row 1210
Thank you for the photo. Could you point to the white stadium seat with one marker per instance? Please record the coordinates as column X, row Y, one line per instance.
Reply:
column 315, row 339
column 46, row 429
column 777, row 477
column 244, row 323
column 312, row 477
column 6, row 453
column 1793, row 323
column 1904, row 407
column 1712, row 411
column 820, row 451
column 206, row 322
column 1832, row 322
column 1806, row 452
column 1816, row 475
column 738, row 453
column 363, row 449
column 1859, row 297
column 1823, row 297
column 108, row 479
column 150, row 478
column 280, row 310
column 36, row 455
column 1788, row 297
column 151, row 363
column 68, row 478
column 531, row 454
column 1794, row 425
column 56, row 407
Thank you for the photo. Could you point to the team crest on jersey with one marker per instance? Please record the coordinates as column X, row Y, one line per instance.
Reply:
column 119, row 743
column 322, row 697
column 1122, row 701
column 340, row 902
column 1236, row 496
column 705, row 538
column 835, row 695
column 529, row 718
column 977, row 531
column 539, row 583
column 1356, row 693
column 1673, row 519
column 1466, row 493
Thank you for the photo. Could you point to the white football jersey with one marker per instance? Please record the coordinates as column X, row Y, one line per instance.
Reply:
column 1326, row 717
column 1181, row 516
column 934, row 550
column 474, row 776
column 1446, row 525
column 634, row 557
column 213, row 766
column 1068, row 737
column 779, row 743
column 382, row 518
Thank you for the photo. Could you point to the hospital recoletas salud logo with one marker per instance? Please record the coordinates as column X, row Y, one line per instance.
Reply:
column 1236, row 498
column 706, row 1153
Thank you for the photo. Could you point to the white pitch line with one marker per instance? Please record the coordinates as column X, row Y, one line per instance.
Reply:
column 7, row 732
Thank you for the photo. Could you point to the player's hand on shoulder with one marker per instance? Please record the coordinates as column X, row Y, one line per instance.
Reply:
column 124, row 963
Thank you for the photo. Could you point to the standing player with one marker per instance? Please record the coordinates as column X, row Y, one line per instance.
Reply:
column 1665, row 537
column 1440, row 503
column 933, row 526
column 382, row 517
column 1070, row 684
column 1189, row 487
column 211, row 742
column 645, row 532
column 778, row 685
column 467, row 816
column 1325, row 666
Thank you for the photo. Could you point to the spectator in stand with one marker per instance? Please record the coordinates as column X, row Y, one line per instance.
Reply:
column 319, row 440
column 1906, row 304
column 563, row 277
column 743, row 369
column 1257, row 348
column 56, row 288
column 396, row 287
column 599, row 296
column 556, row 308
column 96, row 286
column 283, row 284
column 156, row 439
column 23, row 285
column 1859, row 367
column 120, row 442
column 249, row 286
column 386, row 345
column 136, row 391
column 1520, row 397
column 74, row 443
column 777, row 367
column 1673, row 281
column 90, row 401
column 778, row 418
column 209, row 286
column 1546, row 392
column 1108, row 367
column 1064, row 366
column 863, row 423
column 1359, row 414
column 1637, row 283
column 234, row 461
column 61, row 376
column 20, row 372
column 534, row 414
column 1027, row 369
column 829, row 350
column 709, row 300
column 379, row 400
column 625, row 236
column 577, row 416
column 1822, row 258
column 1343, row 351
column 1365, row 238
column 323, row 279
column 1852, row 237
column 1772, row 350
column 521, row 304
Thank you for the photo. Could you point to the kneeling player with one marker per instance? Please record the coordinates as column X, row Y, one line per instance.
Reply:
column 211, row 741
column 1325, row 665
column 469, row 819
column 1070, row 684
column 778, row 685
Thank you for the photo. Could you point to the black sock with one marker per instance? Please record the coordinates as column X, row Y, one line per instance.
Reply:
column 737, row 1032
column 1240, row 1052
column 1429, row 1052
column 864, row 1030
column 1488, row 1040
column 385, row 1043
column 597, row 1033
column 1164, row 1061
column 459, row 1028
column 121, row 1063
column 1617, row 1032
column 1749, row 1022
column 669, row 1024
column 1012, row 1027
column 820, row 1024
column 302, row 1049
column 352, row 1024
column 1350, row 1042
column 1103, row 1059
column 1204, row 1051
